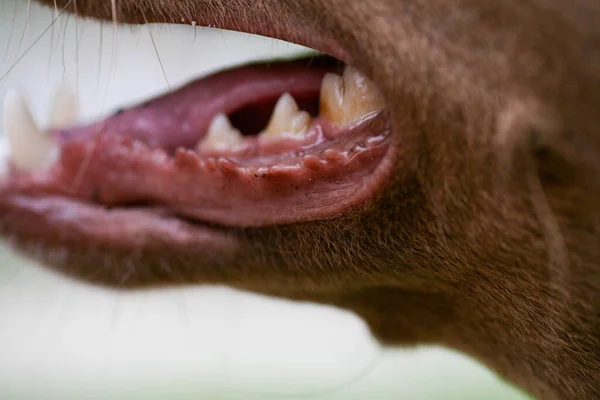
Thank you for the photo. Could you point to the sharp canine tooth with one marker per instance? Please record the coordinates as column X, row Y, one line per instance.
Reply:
column 221, row 135
column 331, row 98
column 344, row 100
column 31, row 148
column 287, row 119
column 64, row 109
column 362, row 94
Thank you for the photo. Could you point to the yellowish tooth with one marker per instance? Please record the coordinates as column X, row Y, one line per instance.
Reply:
column 221, row 135
column 287, row 120
column 31, row 149
column 345, row 100
column 331, row 98
column 64, row 109
column 361, row 95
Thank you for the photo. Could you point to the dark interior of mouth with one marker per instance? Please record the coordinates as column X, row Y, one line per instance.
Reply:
column 247, row 95
column 152, row 153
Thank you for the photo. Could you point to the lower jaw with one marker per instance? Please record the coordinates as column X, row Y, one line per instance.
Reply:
column 109, row 189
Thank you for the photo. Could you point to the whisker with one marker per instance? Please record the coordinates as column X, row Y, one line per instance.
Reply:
column 76, row 49
column 18, row 60
column 113, row 8
column 156, row 51
column 54, row 11
column 556, row 246
column 24, row 28
column 157, row 55
column 100, row 55
column 64, row 40
column 12, row 28
column 129, row 271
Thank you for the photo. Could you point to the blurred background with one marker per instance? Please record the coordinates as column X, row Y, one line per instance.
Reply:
column 61, row 339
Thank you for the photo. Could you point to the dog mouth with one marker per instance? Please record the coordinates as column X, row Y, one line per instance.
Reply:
column 258, row 145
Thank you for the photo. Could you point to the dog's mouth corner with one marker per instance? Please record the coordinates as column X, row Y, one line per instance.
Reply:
column 257, row 145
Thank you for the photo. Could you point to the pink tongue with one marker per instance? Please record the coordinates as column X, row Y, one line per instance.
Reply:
column 181, row 118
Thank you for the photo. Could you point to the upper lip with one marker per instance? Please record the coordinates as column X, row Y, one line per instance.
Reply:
column 250, row 18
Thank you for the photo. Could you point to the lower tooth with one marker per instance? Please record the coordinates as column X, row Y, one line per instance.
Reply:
column 331, row 98
column 64, row 109
column 221, row 136
column 287, row 120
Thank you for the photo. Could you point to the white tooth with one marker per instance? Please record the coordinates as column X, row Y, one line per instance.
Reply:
column 287, row 120
column 221, row 135
column 345, row 100
column 31, row 149
column 65, row 108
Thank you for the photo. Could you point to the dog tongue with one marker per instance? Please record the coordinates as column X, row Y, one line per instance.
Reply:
column 181, row 118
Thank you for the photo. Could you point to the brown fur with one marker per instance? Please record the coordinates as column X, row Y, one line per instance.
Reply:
column 487, row 239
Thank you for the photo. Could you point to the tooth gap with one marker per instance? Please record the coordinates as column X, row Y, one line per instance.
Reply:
column 254, row 118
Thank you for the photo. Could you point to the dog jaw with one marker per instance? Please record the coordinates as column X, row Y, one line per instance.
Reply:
column 486, row 239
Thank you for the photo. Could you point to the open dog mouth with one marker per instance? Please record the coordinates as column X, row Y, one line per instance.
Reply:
column 258, row 145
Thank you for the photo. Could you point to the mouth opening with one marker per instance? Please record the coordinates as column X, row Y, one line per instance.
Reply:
column 257, row 145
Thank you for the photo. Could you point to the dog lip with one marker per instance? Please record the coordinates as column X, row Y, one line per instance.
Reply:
column 255, row 19
column 115, row 171
column 49, row 217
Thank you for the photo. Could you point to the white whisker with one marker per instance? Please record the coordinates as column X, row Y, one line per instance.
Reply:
column 64, row 40
column 113, row 7
column 100, row 55
column 158, row 55
column 76, row 48
column 24, row 28
column 18, row 60
column 12, row 28
column 52, row 16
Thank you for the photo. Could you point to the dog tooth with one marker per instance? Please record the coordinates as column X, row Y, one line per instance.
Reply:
column 221, row 135
column 64, row 109
column 345, row 100
column 31, row 149
column 331, row 98
column 287, row 120
column 361, row 95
